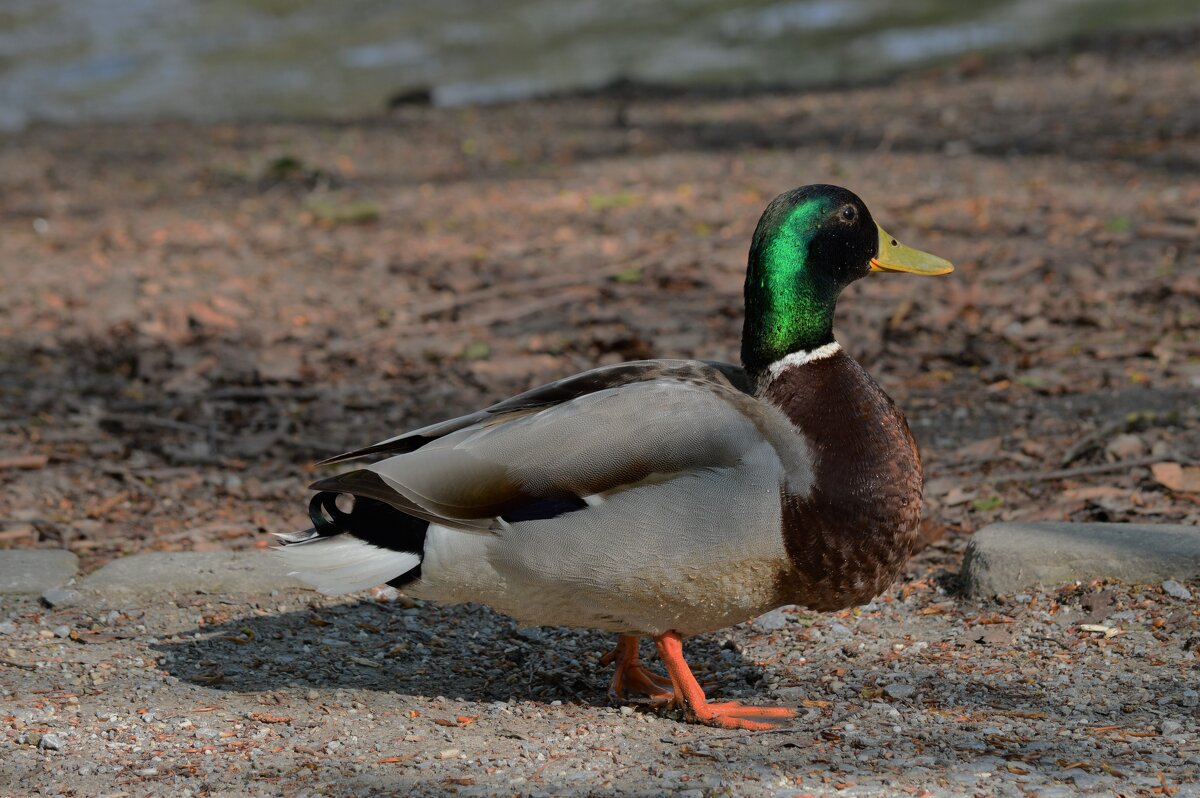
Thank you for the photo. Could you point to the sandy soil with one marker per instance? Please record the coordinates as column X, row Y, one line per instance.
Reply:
column 190, row 315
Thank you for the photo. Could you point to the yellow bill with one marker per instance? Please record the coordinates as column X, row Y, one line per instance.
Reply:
column 895, row 257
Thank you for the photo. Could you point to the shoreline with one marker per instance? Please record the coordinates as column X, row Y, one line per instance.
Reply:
column 1150, row 41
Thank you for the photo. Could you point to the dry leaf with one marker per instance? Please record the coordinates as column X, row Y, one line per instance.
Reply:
column 1184, row 479
column 985, row 449
column 1107, row 631
column 958, row 496
column 263, row 717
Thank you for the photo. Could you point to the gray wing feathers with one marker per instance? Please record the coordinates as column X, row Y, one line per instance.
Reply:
column 591, row 445
column 564, row 390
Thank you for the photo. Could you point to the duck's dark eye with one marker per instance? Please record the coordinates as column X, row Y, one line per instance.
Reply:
column 849, row 213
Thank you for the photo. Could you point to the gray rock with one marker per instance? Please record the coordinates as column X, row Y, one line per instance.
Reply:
column 1051, row 791
column 232, row 572
column 1009, row 557
column 899, row 691
column 61, row 597
column 775, row 619
column 8, row 628
column 840, row 631
column 1082, row 779
column 51, row 742
column 1176, row 590
column 35, row 570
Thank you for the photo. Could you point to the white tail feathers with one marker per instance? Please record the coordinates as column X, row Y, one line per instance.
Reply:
column 344, row 564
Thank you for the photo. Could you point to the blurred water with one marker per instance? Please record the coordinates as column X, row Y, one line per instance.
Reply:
column 71, row 60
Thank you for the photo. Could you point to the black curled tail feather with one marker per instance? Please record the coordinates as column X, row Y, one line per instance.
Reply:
column 369, row 520
column 327, row 518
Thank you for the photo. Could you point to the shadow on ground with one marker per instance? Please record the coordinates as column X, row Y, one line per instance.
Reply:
column 464, row 653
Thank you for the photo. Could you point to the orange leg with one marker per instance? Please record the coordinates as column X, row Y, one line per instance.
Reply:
column 690, row 697
column 631, row 677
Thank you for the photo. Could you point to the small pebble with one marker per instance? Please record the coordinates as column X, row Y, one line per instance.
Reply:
column 62, row 631
column 449, row 753
column 775, row 619
column 51, row 742
column 8, row 628
column 1126, row 447
column 899, row 691
column 61, row 597
column 1176, row 590
column 840, row 631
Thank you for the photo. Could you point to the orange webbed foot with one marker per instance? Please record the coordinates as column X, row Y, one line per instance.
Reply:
column 631, row 682
column 732, row 715
column 690, row 696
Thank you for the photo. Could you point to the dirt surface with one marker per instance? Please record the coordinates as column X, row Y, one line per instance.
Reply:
column 191, row 315
column 1090, row 689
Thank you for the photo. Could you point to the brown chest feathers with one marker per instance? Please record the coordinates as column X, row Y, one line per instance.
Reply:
column 850, row 536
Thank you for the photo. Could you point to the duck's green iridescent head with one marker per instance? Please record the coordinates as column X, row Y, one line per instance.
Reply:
column 811, row 243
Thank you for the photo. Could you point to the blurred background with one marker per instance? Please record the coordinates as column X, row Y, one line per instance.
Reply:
column 119, row 59
column 237, row 237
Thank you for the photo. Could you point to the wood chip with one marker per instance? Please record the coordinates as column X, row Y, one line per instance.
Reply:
column 24, row 462
column 263, row 717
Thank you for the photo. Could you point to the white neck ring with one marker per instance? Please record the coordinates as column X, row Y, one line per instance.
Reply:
column 801, row 358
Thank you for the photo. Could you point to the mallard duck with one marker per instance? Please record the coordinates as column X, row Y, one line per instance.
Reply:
column 665, row 498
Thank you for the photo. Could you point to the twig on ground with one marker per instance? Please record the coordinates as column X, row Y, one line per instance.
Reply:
column 261, row 392
column 1080, row 471
column 131, row 420
column 1129, row 422
column 1045, row 639
column 527, row 288
column 24, row 462
column 310, row 444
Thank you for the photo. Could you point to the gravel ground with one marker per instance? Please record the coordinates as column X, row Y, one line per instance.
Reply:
column 1087, row 689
